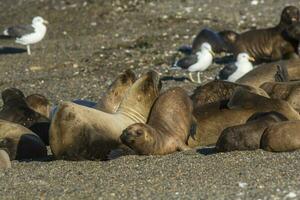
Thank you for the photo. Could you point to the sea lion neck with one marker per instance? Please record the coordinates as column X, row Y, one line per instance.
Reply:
column 132, row 114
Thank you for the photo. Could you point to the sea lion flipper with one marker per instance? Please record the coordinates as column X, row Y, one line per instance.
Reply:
column 281, row 73
column 183, row 147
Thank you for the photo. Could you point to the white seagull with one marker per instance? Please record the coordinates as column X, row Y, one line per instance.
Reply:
column 197, row 62
column 234, row 71
column 28, row 34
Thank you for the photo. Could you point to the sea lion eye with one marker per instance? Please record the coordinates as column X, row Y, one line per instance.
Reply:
column 139, row 132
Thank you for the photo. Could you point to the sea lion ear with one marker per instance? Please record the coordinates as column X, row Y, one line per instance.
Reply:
column 241, row 98
column 281, row 74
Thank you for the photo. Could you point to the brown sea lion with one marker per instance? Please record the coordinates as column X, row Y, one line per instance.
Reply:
column 115, row 93
column 20, row 142
column 270, row 44
column 218, row 90
column 282, row 136
column 213, row 118
column 281, row 71
column 168, row 126
column 79, row 133
column 39, row 104
column 247, row 136
column 288, row 91
column 4, row 160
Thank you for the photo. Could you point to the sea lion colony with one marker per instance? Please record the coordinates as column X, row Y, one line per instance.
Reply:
column 259, row 110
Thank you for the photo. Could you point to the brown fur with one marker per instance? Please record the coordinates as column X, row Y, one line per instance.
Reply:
column 269, row 44
column 282, row 136
column 267, row 72
column 79, row 133
column 218, row 90
column 213, row 118
column 39, row 104
column 4, row 160
column 112, row 98
column 20, row 142
column 167, row 129
column 247, row 136
column 288, row 91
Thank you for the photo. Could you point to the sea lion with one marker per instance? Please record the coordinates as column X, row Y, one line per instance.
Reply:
column 20, row 142
column 218, row 90
column 270, row 44
column 288, row 91
column 114, row 95
column 39, row 104
column 4, row 160
column 247, row 136
column 16, row 109
column 168, row 126
column 282, row 136
column 78, row 133
column 213, row 118
column 280, row 71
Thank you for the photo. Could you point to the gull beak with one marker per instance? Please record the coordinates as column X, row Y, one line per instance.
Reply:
column 251, row 58
column 212, row 53
column 45, row 22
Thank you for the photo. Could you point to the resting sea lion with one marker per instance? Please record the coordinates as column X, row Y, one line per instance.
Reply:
column 4, row 160
column 114, row 95
column 288, row 91
column 218, row 90
column 78, row 132
column 213, row 118
column 20, row 142
column 168, row 126
column 281, row 71
column 247, row 136
column 282, row 136
column 270, row 44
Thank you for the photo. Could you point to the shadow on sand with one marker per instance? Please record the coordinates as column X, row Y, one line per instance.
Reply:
column 11, row 50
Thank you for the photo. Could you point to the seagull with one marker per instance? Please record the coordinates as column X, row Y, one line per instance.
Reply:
column 28, row 34
column 196, row 62
column 234, row 71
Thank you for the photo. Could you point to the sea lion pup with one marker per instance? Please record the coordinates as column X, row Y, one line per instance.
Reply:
column 288, row 91
column 4, row 160
column 282, row 136
column 39, row 104
column 115, row 93
column 280, row 71
column 270, row 44
column 78, row 133
column 168, row 126
column 213, row 118
column 218, row 90
column 247, row 136
column 20, row 142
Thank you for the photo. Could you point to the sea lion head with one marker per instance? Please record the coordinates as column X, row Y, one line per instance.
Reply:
column 39, row 104
column 12, row 94
column 141, row 95
column 228, row 36
column 110, row 102
column 290, row 15
column 139, row 137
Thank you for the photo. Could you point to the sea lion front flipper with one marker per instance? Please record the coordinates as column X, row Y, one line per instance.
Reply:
column 183, row 147
column 241, row 98
column 282, row 74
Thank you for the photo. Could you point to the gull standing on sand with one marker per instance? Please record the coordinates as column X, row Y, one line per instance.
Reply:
column 234, row 71
column 197, row 62
column 28, row 34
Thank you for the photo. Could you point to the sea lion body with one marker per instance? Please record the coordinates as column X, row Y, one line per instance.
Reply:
column 20, row 142
column 78, row 133
column 218, row 90
column 280, row 137
column 167, row 129
column 213, row 118
column 247, row 136
column 270, row 72
column 288, row 91
column 4, row 160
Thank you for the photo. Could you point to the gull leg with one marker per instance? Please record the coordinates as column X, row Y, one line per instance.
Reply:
column 198, row 77
column 191, row 78
column 28, row 49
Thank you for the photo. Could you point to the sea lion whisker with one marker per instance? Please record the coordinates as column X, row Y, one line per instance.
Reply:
column 132, row 114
